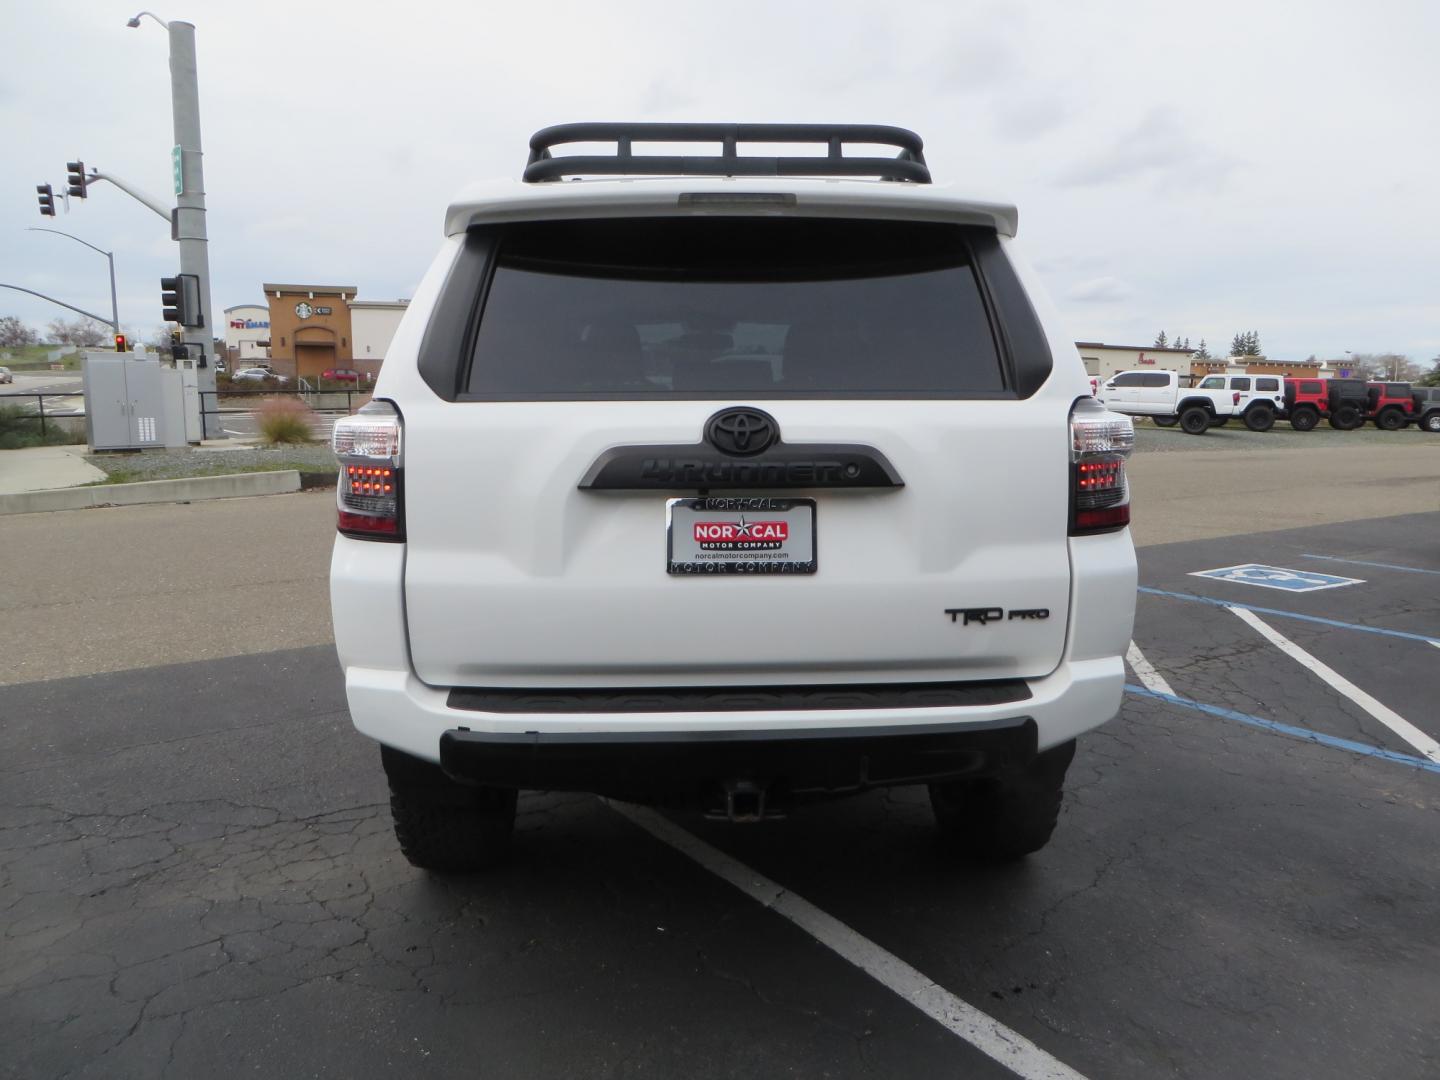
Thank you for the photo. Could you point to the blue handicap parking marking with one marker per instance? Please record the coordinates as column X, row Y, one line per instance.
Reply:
column 1277, row 577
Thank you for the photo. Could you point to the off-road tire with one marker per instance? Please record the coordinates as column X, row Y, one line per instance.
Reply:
column 1164, row 421
column 1390, row 420
column 1260, row 418
column 1195, row 420
column 1304, row 419
column 1431, row 422
column 998, row 819
column 444, row 826
column 1346, row 418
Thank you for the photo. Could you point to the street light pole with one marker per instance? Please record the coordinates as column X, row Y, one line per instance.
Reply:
column 110, row 255
column 189, row 221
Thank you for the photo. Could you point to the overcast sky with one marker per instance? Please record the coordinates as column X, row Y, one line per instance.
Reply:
column 1202, row 169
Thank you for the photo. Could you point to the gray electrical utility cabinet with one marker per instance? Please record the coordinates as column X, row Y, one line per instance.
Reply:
column 132, row 402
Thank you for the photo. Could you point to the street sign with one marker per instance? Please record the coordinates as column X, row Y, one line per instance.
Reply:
column 1277, row 577
column 177, row 167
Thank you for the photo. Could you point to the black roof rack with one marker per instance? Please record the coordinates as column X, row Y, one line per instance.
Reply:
column 908, row 165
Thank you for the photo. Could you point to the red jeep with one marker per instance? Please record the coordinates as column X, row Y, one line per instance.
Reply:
column 1392, row 405
column 1340, row 401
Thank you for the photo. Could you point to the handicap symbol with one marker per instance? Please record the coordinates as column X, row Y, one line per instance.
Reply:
column 1276, row 577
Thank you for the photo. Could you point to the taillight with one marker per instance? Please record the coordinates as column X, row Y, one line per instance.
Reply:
column 1100, row 441
column 370, row 492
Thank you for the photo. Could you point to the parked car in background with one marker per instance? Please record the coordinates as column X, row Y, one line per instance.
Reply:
column 1427, row 407
column 1342, row 403
column 1390, row 405
column 1261, row 398
column 6, row 376
column 256, row 374
column 340, row 375
column 1159, row 395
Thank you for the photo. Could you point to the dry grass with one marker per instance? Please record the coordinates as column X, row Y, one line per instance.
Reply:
column 284, row 420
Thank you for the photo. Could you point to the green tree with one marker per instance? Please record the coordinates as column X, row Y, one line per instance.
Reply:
column 1202, row 353
column 1160, row 341
column 1432, row 377
column 1237, row 344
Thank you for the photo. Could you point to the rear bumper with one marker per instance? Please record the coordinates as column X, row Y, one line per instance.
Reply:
column 648, row 767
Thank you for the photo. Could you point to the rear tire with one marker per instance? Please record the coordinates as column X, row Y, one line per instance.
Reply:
column 1165, row 421
column 1390, row 420
column 999, row 819
column 444, row 826
column 1260, row 418
column 1195, row 420
column 1431, row 422
column 1304, row 419
column 1346, row 418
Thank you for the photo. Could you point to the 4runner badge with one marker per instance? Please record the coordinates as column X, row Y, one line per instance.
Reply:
column 986, row 615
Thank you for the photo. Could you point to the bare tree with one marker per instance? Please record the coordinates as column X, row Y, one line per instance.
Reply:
column 87, row 333
column 13, row 332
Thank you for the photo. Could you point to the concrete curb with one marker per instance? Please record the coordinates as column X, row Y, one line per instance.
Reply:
column 186, row 489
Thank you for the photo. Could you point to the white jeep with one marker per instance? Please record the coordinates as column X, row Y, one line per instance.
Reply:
column 759, row 480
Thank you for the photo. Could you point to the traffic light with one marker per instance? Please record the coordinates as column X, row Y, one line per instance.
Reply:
column 178, row 349
column 121, row 345
column 47, row 200
column 180, row 298
column 76, row 178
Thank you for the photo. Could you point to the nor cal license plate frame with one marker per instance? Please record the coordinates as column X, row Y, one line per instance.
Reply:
column 730, row 550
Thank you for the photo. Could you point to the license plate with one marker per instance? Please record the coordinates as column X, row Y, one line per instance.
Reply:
column 749, row 535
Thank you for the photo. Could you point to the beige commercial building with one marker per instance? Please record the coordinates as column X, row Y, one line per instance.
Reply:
column 309, row 329
column 374, row 323
column 1106, row 360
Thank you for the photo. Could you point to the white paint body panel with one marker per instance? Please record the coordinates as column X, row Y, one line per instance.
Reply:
column 511, row 576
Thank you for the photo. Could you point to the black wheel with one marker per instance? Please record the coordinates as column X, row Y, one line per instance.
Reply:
column 1260, row 418
column 1165, row 421
column 1195, row 420
column 1431, row 422
column 444, row 826
column 1346, row 418
column 1304, row 419
column 1002, row 818
column 1390, row 420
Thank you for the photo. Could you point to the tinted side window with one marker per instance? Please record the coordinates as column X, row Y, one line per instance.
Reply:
column 1269, row 385
column 1240, row 384
column 1214, row 382
column 762, row 307
column 1397, row 389
column 1154, row 378
column 1310, row 386
column 1129, row 378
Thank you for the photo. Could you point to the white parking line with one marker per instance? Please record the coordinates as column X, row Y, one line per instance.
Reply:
column 1145, row 671
column 1387, row 716
column 984, row 1032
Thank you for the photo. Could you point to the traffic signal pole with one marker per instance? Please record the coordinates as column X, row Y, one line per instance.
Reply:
column 189, row 225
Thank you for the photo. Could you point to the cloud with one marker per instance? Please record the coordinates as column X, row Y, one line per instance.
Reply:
column 1160, row 147
column 1100, row 290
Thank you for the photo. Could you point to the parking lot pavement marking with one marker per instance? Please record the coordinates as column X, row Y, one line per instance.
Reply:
column 1145, row 671
column 1426, row 638
column 979, row 1029
column 1275, row 726
column 1277, row 577
column 1387, row 716
column 1378, row 565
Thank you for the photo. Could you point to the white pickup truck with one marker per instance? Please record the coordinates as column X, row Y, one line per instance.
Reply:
column 1159, row 395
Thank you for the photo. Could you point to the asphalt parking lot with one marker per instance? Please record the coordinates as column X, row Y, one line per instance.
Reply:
column 198, row 877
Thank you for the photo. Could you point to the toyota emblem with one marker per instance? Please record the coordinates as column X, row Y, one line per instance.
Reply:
column 742, row 431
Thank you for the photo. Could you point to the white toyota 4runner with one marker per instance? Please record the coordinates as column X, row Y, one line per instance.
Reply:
column 753, row 481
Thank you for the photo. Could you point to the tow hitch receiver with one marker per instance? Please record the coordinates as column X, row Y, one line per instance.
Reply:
column 744, row 803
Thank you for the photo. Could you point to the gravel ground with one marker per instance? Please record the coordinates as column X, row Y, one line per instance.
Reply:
column 170, row 464
column 1235, row 436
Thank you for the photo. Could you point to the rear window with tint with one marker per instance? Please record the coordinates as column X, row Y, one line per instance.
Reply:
column 723, row 307
column 1267, row 384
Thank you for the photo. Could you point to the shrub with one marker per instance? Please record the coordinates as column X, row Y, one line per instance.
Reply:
column 20, row 428
column 285, row 420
